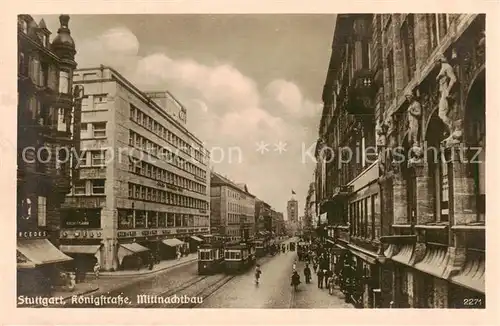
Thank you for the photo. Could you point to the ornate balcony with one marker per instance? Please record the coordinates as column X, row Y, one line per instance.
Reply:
column 361, row 93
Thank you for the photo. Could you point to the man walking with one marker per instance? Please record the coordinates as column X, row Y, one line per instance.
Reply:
column 320, row 278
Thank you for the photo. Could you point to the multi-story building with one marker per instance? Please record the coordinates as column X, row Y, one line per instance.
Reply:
column 143, row 177
column 263, row 218
column 409, row 217
column 309, row 208
column 45, row 140
column 292, row 210
column 232, row 209
column 278, row 223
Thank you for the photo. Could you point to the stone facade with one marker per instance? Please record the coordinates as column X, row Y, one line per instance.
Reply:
column 429, row 190
column 45, row 139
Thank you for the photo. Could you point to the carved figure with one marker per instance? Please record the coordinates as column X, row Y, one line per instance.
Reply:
column 414, row 118
column 446, row 79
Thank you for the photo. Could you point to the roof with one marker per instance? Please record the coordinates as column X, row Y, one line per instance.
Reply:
column 218, row 180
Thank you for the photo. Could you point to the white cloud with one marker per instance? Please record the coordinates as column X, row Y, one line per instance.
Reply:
column 225, row 109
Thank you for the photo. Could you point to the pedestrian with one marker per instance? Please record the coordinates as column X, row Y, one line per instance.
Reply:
column 178, row 255
column 307, row 274
column 320, row 278
column 139, row 263
column 72, row 282
column 326, row 274
column 97, row 269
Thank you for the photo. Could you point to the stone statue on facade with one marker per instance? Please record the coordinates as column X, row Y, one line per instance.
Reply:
column 446, row 80
column 414, row 123
column 392, row 141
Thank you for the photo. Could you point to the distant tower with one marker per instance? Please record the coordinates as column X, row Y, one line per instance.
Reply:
column 292, row 210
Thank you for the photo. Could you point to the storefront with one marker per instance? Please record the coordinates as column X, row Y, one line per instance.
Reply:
column 38, row 263
column 132, row 255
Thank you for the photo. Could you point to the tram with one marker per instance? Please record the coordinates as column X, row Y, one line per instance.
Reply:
column 238, row 257
column 210, row 258
column 260, row 249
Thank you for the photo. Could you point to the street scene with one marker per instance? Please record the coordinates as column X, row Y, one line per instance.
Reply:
column 224, row 165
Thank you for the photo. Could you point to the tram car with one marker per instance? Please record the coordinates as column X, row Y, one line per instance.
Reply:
column 210, row 258
column 260, row 248
column 238, row 257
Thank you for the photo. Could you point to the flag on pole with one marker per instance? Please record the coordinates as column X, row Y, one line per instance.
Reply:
column 293, row 192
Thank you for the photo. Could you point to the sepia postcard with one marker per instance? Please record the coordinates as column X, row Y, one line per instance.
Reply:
column 317, row 161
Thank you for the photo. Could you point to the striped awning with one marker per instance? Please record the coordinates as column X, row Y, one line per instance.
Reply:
column 36, row 252
column 196, row 238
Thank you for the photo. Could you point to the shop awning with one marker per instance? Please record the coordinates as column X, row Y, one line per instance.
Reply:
column 173, row 242
column 35, row 252
column 363, row 254
column 127, row 249
column 472, row 274
column 195, row 238
column 329, row 241
column 80, row 249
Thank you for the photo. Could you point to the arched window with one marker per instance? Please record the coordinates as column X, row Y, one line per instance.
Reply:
column 440, row 168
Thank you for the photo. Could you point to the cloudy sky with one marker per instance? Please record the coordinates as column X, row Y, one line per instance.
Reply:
column 244, row 79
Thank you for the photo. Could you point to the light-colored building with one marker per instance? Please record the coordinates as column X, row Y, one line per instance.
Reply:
column 292, row 210
column 143, row 177
column 232, row 209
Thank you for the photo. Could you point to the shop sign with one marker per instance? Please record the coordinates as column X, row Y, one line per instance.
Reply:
column 31, row 234
column 161, row 184
column 203, row 211
column 126, row 234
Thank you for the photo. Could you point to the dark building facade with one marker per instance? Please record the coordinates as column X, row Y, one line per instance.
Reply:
column 406, row 214
column 47, row 113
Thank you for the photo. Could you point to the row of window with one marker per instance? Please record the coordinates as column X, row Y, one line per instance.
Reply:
column 89, row 187
column 41, row 73
column 140, row 219
column 234, row 207
column 362, row 216
column 209, row 254
column 136, row 191
column 152, row 125
column 93, row 130
column 141, row 142
column 93, row 158
column 233, row 218
column 156, row 173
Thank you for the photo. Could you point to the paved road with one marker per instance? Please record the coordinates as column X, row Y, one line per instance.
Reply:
column 147, row 285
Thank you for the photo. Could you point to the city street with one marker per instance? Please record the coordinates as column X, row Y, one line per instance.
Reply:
column 220, row 290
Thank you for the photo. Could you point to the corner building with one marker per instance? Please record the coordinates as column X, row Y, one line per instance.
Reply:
column 143, row 185
column 407, row 232
column 46, row 103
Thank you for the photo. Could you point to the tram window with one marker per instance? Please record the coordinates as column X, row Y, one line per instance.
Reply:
column 204, row 255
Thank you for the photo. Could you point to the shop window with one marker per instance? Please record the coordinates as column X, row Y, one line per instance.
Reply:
column 140, row 219
column 170, row 220
column 42, row 211
column 178, row 220
column 162, row 219
column 125, row 218
column 98, row 186
column 152, row 219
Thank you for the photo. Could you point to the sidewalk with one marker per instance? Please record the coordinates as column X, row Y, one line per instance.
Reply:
column 309, row 296
column 163, row 265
